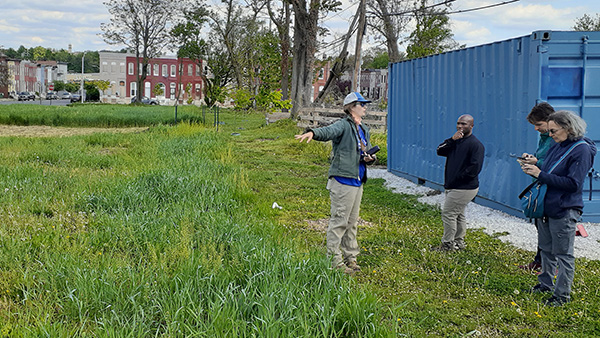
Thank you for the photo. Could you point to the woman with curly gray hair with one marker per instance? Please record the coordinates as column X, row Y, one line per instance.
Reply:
column 564, row 170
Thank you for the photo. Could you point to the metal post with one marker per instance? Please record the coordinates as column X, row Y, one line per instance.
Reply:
column 82, row 66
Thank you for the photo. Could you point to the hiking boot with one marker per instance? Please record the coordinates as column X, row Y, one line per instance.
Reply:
column 345, row 269
column 539, row 288
column 355, row 267
column 445, row 247
column 459, row 244
column 556, row 301
column 533, row 266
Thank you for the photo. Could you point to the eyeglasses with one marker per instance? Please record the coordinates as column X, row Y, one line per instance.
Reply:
column 554, row 131
column 362, row 104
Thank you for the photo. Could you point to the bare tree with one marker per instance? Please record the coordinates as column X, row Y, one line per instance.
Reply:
column 282, row 19
column 229, row 29
column 587, row 23
column 142, row 26
column 388, row 25
column 306, row 17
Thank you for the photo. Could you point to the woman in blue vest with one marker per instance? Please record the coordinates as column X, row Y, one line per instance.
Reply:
column 564, row 170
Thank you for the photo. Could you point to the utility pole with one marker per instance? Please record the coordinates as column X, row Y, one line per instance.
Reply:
column 82, row 66
column 362, row 24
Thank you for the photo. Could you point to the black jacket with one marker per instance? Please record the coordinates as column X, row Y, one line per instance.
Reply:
column 464, row 160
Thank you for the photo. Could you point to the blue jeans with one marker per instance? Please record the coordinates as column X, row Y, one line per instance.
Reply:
column 556, row 238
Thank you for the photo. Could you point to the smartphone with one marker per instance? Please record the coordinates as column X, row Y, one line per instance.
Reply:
column 373, row 150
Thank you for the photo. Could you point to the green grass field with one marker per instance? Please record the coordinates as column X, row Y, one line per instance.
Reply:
column 170, row 232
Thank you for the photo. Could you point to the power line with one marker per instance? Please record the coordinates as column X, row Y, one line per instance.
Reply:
column 411, row 13
column 418, row 9
column 483, row 7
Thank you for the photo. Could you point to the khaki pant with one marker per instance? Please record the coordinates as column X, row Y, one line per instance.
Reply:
column 453, row 213
column 342, row 246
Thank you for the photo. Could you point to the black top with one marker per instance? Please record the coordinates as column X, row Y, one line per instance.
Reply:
column 464, row 160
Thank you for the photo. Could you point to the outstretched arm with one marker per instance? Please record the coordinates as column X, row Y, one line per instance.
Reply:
column 308, row 136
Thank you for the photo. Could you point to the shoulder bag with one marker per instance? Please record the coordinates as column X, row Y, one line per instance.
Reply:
column 532, row 197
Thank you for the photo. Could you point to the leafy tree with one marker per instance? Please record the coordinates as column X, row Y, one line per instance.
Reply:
column 39, row 53
column 375, row 58
column 158, row 90
column 72, row 87
column 587, row 23
column 432, row 34
column 187, row 37
column 141, row 25
column 59, row 85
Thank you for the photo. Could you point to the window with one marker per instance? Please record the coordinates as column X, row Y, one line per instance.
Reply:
column 155, row 69
column 140, row 67
column 132, row 88
column 198, row 88
column 321, row 73
column 172, row 86
column 173, row 71
column 113, row 67
column 197, row 70
column 165, row 71
column 130, row 68
column 190, row 70
column 147, row 89
column 122, row 68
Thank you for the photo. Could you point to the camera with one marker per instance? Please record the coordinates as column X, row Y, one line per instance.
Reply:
column 371, row 152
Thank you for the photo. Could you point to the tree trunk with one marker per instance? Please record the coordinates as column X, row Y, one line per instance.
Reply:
column 390, row 33
column 305, row 40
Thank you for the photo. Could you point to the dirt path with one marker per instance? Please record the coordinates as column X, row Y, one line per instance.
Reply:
column 46, row 131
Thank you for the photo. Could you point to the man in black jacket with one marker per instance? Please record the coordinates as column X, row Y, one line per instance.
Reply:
column 464, row 160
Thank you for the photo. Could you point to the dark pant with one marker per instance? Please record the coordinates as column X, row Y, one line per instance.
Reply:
column 556, row 238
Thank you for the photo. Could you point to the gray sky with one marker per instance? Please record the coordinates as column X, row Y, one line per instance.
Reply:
column 58, row 23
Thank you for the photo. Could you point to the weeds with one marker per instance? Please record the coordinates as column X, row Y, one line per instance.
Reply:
column 171, row 232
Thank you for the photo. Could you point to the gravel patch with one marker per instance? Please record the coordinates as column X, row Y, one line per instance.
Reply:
column 517, row 231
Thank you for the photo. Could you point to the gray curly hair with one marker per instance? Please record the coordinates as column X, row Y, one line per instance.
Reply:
column 573, row 124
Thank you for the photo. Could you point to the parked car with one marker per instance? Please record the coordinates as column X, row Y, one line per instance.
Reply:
column 145, row 100
column 26, row 96
column 51, row 96
column 64, row 95
column 75, row 97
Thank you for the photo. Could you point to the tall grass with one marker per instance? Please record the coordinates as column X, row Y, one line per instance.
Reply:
column 155, row 234
column 101, row 115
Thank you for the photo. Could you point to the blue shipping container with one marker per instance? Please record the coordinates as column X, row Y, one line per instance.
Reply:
column 498, row 84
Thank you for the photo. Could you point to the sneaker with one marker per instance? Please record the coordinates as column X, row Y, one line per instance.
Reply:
column 556, row 301
column 355, row 267
column 459, row 244
column 445, row 247
column 345, row 269
column 533, row 266
column 538, row 289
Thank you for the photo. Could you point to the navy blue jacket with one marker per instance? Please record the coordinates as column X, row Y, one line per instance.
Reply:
column 565, row 183
column 464, row 160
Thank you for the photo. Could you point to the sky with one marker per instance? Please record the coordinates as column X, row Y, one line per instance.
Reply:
column 60, row 23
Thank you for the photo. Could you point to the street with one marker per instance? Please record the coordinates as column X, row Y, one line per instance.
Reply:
column 37, row 101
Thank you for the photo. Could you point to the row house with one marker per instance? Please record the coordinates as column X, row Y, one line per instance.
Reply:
column 374, row 84
column 173, row 77
column 24, row 75
column 321, row 80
